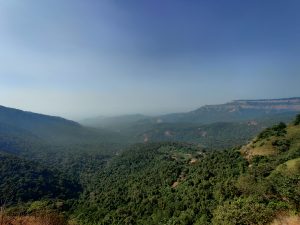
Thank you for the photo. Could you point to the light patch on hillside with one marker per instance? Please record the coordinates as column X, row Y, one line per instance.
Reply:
column 258, row 148
column 290, row 167
column 264, row 147
column 293, row 135
column 286, row 220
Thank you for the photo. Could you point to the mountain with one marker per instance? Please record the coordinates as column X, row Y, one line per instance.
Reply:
column 56, row 142
column 50, row 129
column 34, row 122
column 213, row 126
column 218, row 135
column 172, row 183
column 23, row 180
column 116, row 122
column 155, row 183
column 235, row 111
column 28, row 132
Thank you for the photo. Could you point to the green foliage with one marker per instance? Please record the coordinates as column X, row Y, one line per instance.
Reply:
column 281, row 144
column 138, row 186
column 154, row 183
column 157, row 184
column 297, row 120
column 277, row 131
column 211, row 136
column 23, row 180
column 286, row 187
column 242, row 211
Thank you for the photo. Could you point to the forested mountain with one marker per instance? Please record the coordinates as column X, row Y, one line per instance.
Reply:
column 220, row 135
column 190, row 174
column 116, row 122
column 239, row 110
column 182, row 184
column 35, row 135
column 235, row 111
column 54, row 130
column 16, row 140
column 56, row 142
column 214, row 126
column 23, row 180
column 38, row 124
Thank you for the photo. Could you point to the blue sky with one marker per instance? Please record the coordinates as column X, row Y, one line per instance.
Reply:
column 78, row 59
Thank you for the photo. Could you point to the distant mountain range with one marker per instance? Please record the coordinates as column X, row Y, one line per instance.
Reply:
column 42, row 126
column 218, row 126
column 92, row 174
column 238, row 110
column 22, row 131
column 235, row 111
column 116, row 121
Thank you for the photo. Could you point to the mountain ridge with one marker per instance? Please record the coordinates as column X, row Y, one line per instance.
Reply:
column 233, row 111
column 237, row 110
column 32, row 114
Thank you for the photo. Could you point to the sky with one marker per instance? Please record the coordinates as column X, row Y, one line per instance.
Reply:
column 80, row 59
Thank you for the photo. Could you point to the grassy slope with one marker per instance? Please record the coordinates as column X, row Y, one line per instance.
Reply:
column 264, row 147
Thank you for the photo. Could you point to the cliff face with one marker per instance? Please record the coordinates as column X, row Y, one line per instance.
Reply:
column 271, row 104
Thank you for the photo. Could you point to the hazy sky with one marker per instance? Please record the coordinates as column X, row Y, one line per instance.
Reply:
column 82, row 58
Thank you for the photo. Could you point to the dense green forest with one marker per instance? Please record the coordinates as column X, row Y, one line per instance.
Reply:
column 192, row 175
column 217, row 135
column 22, row 180
column 183, row 184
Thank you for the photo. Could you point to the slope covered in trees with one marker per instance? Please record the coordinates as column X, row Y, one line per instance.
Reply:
column 217, row 135
column 234, row 111
column 156, row 182
column 51, row 129
column 22, row 181
column 182, row 184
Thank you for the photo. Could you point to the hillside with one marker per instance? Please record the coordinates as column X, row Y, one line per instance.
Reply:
column 182, row 184
column 273, row 141
column 158, row 182
column 50, row 129
column 239, row 110
column 56, row 143
column 24, row 181
column 115, row 122
column 43, row 126
column 220, row 135
column 235, row 111
column 214, row 126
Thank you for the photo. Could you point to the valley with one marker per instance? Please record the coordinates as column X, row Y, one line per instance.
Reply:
column 151, row 173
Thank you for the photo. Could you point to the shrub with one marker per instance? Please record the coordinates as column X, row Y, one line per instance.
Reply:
column 277, row 130
column 41, row 218
column 242, row 211
column 297, row 120
column 282, row 145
